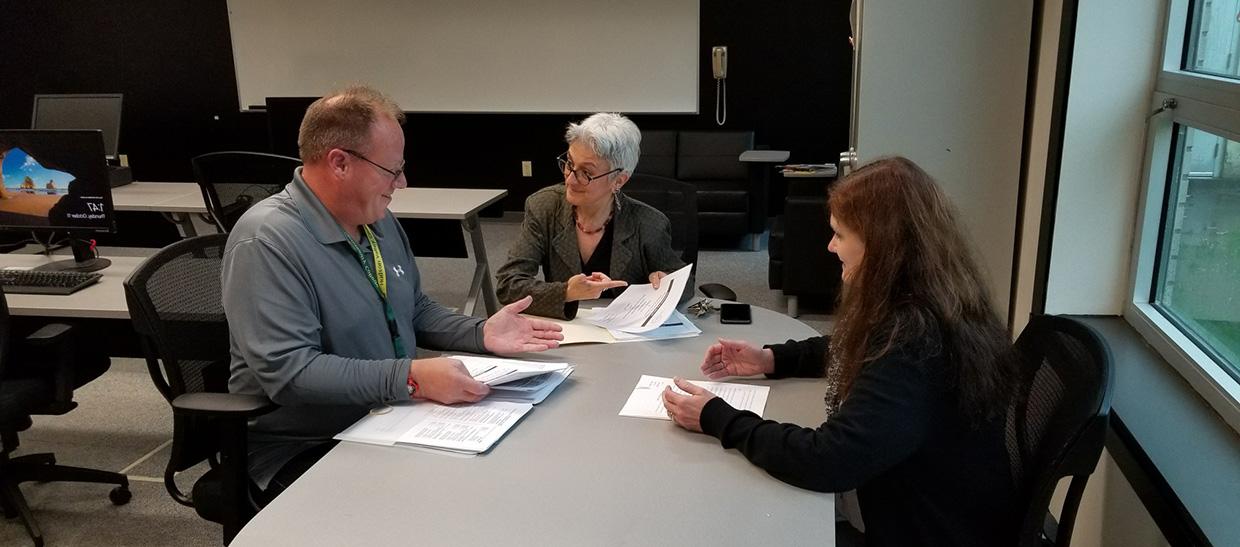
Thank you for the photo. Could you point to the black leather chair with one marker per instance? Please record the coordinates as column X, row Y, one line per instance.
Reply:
column 233, row 181
column 174, row 299
column 800, row 265
column 677, row 200
column 45, row 387
column 1057, row 423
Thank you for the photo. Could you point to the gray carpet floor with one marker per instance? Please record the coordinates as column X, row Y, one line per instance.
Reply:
column 122, row 423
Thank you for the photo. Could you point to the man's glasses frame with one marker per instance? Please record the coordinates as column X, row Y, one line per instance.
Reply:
column 400, row 170
column 566, row 167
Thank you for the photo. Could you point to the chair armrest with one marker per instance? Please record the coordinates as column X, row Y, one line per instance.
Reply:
column 53, row 333
column 764, row 156
column 222, row 405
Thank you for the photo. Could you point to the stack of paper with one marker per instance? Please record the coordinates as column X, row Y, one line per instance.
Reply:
column 642, row 308
column 515, row 380
column 468, row 429
column 646, row 401
column 579, row 331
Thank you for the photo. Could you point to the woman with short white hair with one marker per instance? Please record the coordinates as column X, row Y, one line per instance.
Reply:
column 588, row 237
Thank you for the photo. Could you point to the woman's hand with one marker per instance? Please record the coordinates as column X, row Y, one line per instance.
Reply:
column 736, row 358
column 686, row 410
column 588, row 287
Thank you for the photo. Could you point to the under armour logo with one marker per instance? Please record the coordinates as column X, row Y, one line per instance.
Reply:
column 400, row 270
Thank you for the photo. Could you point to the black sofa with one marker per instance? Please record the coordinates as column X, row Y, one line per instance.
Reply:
column 732, row 195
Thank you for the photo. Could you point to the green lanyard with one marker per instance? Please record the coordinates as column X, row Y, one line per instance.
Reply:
column 378, row 280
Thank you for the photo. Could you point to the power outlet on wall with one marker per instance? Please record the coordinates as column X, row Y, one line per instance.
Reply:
column 527, row 168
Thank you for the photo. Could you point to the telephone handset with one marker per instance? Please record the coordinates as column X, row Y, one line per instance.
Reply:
column 719, row 68
column 719, row 61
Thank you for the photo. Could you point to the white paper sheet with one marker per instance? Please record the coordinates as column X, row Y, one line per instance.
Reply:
column 494, row 371
column 642, row 308
column 553, row 381
column 646, row 401
column 466, row 429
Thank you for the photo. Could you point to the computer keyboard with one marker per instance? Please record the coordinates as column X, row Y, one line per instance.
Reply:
column 39, row 282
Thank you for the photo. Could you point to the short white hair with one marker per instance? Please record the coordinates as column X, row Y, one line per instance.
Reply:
column 612, row 137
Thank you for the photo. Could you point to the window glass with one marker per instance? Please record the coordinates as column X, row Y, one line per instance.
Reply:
column 1214, row 38
column 1198, row 283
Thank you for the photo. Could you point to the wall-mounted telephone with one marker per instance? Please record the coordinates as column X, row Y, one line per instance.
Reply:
column 719, row 68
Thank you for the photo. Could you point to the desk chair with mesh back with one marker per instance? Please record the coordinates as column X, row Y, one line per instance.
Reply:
column 677, row 200
column 1057, row 422
column 233, row 181
column 45, row 387
column 174, row 299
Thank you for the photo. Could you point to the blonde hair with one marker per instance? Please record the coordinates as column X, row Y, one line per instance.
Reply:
column 342, row 119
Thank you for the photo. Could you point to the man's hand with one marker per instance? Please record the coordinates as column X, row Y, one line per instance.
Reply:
column 736, row 358
column 508, row 332
column 588, row 287
column 656, row 277
column 686, row 410
column 446, row 381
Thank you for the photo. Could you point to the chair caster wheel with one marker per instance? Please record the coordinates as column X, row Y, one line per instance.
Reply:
column 120, row 495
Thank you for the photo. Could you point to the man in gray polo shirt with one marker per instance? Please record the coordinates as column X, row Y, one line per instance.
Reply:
column 322, row 323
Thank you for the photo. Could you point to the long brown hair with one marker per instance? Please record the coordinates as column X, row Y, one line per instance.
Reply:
column 917, row 275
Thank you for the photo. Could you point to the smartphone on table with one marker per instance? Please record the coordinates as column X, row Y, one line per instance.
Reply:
column 735, row 314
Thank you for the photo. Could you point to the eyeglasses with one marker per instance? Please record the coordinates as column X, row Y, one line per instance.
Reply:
column 566, row 167
column 400, row 170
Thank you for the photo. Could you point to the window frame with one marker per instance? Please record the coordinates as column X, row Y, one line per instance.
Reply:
column 1209, row 103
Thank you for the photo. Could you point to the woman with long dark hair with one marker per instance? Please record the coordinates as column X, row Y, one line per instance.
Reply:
column 918, row 375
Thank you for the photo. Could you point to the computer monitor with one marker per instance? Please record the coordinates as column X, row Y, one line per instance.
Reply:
column 57, row 181
column 100, row 111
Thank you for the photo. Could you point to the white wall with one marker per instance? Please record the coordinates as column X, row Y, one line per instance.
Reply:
column 1114, row 65
column 943, row 83
column 473, row 55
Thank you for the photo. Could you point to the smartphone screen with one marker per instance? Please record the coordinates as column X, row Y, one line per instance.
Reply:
column 734, row 313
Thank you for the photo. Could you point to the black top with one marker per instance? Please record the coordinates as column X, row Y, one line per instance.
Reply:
column 923, row 476
column 600, row 260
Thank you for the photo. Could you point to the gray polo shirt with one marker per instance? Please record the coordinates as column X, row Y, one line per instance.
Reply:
column 308, row 329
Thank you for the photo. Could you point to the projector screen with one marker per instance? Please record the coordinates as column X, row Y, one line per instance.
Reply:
column 473, row 55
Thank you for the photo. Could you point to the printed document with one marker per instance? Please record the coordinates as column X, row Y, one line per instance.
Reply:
column 468, row 429
column 642, row 308
column 540, row 388
column 646, row 401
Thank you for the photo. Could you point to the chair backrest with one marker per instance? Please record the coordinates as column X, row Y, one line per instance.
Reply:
column 175, row 300
column 233, row 181
column 677, row 200
column 712, row 155
column 1057, row 422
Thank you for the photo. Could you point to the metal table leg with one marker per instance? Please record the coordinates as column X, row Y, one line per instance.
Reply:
column 481, row 284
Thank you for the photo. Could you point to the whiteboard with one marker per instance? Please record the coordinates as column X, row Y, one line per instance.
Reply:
column 473, row 55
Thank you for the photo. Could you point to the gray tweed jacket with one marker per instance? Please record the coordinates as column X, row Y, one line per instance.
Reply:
column 641, row 244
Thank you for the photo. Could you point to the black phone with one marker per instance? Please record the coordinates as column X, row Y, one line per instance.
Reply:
column 735, row 314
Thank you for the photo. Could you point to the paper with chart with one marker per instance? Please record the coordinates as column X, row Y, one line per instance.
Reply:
column 646, row 401
column 468, row 429
column 497, row 372
column 641, row 308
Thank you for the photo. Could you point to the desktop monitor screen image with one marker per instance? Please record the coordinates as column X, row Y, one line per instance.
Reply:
column 54, row 180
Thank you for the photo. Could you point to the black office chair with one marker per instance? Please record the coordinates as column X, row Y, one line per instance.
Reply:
column 677, row 200
column 45, row 387
column 175, row 301
column 1057, row 422
column 233, row 181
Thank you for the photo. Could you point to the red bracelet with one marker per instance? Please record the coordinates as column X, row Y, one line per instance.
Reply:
column 413, row 386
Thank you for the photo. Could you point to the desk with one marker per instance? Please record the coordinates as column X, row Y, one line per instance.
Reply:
column 103, row 300
column 180, row 199
column 572, row 472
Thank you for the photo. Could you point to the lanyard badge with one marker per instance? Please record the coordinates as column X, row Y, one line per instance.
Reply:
column 378, row 279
